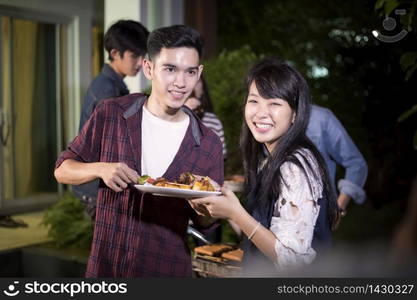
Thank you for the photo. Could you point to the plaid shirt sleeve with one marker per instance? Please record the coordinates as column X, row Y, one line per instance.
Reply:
column 85, row 146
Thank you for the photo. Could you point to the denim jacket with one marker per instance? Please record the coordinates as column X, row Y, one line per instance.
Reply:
column 337, row 148
column 107, row 84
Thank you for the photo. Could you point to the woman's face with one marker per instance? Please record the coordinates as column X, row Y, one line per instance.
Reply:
column 198, row 89
column 267, row 119
column 192, row 103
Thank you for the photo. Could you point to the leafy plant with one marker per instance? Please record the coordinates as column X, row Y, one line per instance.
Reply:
column 69, row 226
column 405, row 116
column 225, row 76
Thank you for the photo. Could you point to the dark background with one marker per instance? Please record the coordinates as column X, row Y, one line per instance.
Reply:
column 362, row 80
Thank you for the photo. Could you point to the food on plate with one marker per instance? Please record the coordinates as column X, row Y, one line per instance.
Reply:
column 212, row 250
column 187, row 181
column 235, row 255
column 143, row 179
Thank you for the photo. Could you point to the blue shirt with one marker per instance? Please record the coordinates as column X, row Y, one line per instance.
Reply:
column 337, row 148
column 108, row 84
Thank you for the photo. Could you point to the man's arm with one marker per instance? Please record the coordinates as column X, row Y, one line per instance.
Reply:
column 343, row 201
column 80, row 162
column 344, row 152
column 116, row 176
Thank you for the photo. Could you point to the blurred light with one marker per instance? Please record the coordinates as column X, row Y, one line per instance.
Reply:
column 375, row 33
column 319, row 72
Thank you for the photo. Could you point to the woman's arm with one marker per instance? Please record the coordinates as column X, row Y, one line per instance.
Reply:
column 228, row 207
column 262, row 237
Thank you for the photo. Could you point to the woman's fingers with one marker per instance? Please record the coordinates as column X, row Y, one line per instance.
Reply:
column 201, row 209
column 205, row 201
column 225, row 191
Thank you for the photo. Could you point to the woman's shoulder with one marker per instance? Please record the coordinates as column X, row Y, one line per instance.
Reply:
column 301, row 170
column 304, row 154
column 212, row 121
column 210, row 116
column 301, row 156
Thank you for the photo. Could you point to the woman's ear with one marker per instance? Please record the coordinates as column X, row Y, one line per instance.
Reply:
column 293, row 117
column 147, row 68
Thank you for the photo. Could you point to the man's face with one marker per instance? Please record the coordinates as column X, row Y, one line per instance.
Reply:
column 174, row 74
column 128, row 65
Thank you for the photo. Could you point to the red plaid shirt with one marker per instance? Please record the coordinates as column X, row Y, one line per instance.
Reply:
column 136, row 234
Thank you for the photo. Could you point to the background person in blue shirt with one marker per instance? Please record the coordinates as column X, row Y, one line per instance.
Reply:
column 125, row 42
column 337, row 148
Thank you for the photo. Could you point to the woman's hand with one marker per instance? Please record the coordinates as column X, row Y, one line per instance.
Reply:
column 225, row 206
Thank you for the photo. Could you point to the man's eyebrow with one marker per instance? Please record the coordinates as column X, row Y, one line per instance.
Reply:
column 174, row 66
column 192, row 68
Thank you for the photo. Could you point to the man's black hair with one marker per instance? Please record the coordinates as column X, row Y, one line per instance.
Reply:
column 126, row 35
column 175, row 36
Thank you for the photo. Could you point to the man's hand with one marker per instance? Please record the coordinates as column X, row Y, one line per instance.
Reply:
column 117, row 175
column 342, row 202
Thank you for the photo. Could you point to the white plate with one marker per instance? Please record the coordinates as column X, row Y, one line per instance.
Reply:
column 173, row 192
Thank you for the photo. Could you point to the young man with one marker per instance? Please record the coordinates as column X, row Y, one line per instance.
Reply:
column 337, row 148
column 136, row 234
column 125, row 43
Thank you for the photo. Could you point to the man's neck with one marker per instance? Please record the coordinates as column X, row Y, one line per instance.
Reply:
column 114, row 67
column 164, row 113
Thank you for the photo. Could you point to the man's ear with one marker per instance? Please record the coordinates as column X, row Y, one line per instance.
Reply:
column 147, row 66
column 200, row 71
column 114, row 53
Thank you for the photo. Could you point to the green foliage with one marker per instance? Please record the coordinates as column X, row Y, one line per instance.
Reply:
column 228, row 234
column 320, row 39
column 408, row 60
column 69, row 226
column 405, row 116
column 387, row 5
column 225, row 76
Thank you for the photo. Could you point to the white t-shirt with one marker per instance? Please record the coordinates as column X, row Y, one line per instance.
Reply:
column 161, row 141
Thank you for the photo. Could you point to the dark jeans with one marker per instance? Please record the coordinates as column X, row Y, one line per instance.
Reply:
column 90, row 206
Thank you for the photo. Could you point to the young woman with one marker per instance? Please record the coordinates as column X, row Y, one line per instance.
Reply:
column 200, row 102
column 290, row 205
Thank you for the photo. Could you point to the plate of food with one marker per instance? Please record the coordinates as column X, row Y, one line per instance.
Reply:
column 187, row 186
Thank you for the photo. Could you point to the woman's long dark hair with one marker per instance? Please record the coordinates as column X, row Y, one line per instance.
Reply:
column 206, row 104
column 276, row 79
